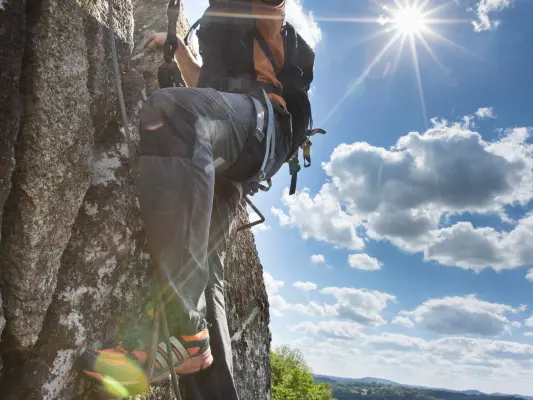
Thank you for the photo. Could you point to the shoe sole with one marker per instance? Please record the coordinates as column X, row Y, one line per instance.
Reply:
column 189, row 366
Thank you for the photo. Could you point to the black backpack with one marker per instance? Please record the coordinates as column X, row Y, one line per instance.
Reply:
column 226, row 34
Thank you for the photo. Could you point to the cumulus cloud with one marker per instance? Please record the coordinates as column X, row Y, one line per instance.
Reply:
column 360, row 305
column 364, row 262
column 395, row 342
column 305, row 286
column 278, row 305
column 315, row 309
column 406, row 195
column 484, row 10
column 529, row 275
column 529, row 322
column 320, row 218
column 528, row 334
column 403, row 321
column 465, row 315
column 452, row 361
column 444, row 169
column 303, row 21
column 276, row 302
column 484, row 112
column 330, row 329
column 318, row 259
column 253, row 216
column 464, row 246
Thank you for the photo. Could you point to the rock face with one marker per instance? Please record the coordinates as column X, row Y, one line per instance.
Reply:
column 72, row 258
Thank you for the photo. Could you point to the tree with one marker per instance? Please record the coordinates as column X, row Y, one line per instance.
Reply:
column 292, row 378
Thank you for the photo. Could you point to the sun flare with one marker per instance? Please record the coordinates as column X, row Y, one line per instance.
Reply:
column 408, row 23
column 409, row 20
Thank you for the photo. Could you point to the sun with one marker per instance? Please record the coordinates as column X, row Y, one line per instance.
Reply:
column 408, row 23
column 409, row 20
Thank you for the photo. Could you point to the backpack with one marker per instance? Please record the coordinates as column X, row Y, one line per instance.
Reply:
column 226, row 36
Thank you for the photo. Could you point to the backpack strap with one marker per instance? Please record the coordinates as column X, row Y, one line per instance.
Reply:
column 266, row 49
column 191, row 30
column 290, row 43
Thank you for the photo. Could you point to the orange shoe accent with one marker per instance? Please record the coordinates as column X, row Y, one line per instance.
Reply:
column 193, row 350
column 141, row 355
column 93, row 375
column 199, row 336
column 189, row 366
column 110, row 352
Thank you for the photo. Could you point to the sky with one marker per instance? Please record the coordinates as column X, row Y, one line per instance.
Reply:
column 407, row 251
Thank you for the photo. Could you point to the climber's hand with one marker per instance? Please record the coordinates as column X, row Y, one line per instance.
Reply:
column 251, row 188
column 157, row 40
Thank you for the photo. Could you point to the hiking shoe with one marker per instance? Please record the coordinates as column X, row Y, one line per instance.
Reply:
column 190, row 353
column 126, row 370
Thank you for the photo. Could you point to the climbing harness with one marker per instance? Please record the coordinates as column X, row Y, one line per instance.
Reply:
column 159, row 321
column 294, row 162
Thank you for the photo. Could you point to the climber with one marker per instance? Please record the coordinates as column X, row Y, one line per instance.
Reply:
column 202, row 149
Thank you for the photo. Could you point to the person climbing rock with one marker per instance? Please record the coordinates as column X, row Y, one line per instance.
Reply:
column 244, row 113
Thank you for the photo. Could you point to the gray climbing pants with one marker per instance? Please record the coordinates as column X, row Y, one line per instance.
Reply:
column 187, row 136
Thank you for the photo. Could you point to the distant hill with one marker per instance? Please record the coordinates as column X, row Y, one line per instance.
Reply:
column 360, row 391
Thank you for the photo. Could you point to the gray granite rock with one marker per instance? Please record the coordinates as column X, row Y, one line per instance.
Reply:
column 53, row 165
column 73, row 269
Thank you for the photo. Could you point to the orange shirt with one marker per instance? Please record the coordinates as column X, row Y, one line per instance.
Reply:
column 269, row 23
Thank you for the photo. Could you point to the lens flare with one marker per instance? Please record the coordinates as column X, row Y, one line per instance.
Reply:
column 410, row 21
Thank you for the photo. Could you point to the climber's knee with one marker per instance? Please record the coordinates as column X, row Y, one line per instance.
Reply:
column 167, row 126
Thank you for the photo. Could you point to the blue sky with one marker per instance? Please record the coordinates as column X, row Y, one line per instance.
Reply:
column 406, row 253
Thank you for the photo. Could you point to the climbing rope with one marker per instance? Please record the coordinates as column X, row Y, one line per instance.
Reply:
column 160, row 321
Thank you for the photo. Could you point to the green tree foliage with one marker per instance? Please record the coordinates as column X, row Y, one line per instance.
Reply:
column 292, row 379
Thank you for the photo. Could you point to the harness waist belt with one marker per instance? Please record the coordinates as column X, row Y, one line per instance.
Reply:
column 269, row 158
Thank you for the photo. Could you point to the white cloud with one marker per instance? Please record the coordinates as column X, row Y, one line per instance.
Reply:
column 403, row 321
column 528, row 334
column 529, row 322
column 484, row 112
column 446, row 169
column 276, row 302
column 320, row 218
column 303, row 21
column 318, row 259
column 484, row 10
column 315, row 309
column 330, row 329
column 407, row 194
column 252, row 217
column 305, row 286
column 278, row 305
column 395, row 341
column 453, row 362
column 464, row 246
column 364, row 262
column 463, row 316
column 360, row 305
column 529, row 275
column 272, row 285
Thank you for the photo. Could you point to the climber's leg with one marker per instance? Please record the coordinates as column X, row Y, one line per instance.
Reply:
column 216, row 383
column 187, row 134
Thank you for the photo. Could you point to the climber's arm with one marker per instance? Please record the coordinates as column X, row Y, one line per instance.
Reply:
column 190, row 69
